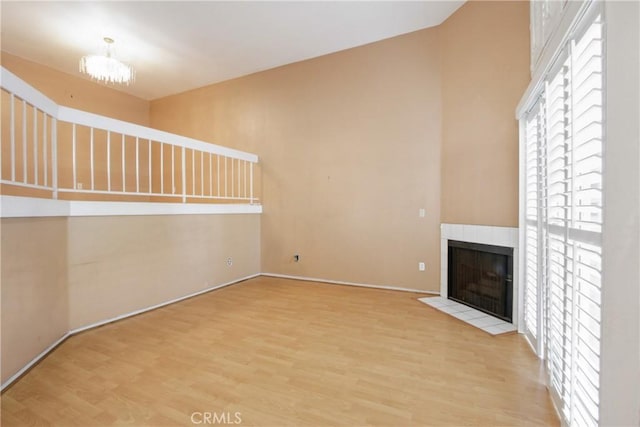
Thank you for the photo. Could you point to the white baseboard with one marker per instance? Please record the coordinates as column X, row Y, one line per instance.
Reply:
column 162, row 304
column 339, row 282
column 194, row 294
column 35, row 360
column 111, row 320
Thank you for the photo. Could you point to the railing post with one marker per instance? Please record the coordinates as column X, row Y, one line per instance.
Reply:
column 45, row 147
column 244, row 178
column 73, row 152
column 251, row 185
column 193, row 172
column 109, row 161
column 35, row 145
column 92, row 159
column 24, row 141
column 124, row 166
column 210, row 175
column 12, row 130
column 150, row 170
column 161, row 167
column 137, row 165
column 173, row 169
column 54, row 156
column 184, row 177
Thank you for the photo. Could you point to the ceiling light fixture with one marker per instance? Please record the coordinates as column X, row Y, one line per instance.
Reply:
column 105, row 68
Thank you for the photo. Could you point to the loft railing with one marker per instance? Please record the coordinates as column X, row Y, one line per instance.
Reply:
column 54, row 151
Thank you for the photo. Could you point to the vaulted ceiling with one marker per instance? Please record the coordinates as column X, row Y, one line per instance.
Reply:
column 177, row 46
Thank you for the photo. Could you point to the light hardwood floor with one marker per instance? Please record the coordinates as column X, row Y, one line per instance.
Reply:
column 282, row 352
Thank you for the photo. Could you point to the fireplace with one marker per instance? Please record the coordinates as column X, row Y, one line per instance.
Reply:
column 481, row 276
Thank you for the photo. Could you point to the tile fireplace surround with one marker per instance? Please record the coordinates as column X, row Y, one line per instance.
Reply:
column 488, row 235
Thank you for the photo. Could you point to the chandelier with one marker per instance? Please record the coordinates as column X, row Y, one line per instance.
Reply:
column 105, row 68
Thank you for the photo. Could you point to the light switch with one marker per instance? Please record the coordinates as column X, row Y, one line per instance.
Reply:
column 422, row 212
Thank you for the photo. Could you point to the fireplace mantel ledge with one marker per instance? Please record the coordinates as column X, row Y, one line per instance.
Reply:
column 489, row 235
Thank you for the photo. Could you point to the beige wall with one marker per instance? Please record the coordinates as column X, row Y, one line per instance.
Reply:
column 485, row 68
column 350, row 151
column 59, row 274
column 354, row 143
column 122, row 264
column 76, row 92
column 33, row 288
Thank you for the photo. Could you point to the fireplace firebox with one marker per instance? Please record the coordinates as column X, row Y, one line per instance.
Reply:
column 481, row 276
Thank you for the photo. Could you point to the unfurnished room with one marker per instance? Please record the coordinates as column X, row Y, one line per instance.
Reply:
column 320, row 213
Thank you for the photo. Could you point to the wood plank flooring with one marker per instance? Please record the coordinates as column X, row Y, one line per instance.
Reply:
column 281, row 352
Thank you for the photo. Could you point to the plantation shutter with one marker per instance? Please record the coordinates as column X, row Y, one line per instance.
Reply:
column 558, row 303
column 533, row 133
column 563, row 144
column 584, row 236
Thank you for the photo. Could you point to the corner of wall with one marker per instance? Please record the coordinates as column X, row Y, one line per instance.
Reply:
column 35, row 305
column 485, row 67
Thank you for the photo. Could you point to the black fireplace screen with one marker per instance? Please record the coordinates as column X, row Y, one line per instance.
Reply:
column 481, row 276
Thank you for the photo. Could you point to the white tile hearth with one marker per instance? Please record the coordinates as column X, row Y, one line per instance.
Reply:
column 473, row 317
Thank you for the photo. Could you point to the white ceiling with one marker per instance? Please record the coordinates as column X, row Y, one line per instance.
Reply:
column 177, row 46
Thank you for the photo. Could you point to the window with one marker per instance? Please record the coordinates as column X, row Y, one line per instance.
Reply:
column 562, row 141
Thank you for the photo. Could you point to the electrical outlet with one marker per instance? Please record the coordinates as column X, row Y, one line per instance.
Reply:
column 421, row 266
column 422, row 212
column 79, row 186
column 229, row 262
